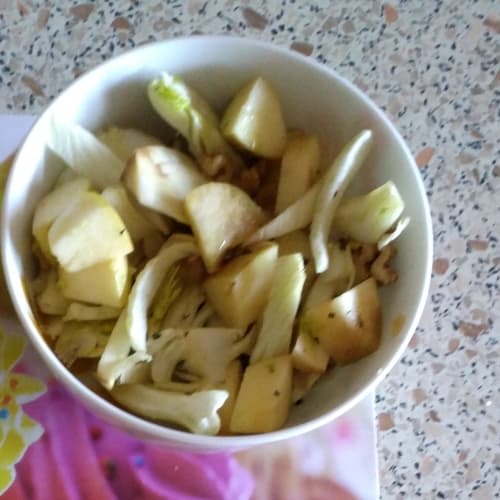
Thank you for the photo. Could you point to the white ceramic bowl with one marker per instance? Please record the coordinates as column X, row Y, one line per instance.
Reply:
column 315, row 99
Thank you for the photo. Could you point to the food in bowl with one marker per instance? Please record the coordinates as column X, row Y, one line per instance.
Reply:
column 211, row 281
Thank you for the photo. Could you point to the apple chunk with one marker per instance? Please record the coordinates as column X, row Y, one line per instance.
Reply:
column 136, row 223
column 124, row 141
column 51, row 206
column 254, row 120
column 221, row 216
column 299, row 167
column 308, row 355
column 264, row 398
column 106, row 283
column 239, row 291
column 348, row 327
column 298, row 242
column 88, row 232
column 231, row 385
column 302, row 383
column 160, row 178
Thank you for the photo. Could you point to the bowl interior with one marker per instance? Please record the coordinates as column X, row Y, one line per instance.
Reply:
column 313, row 99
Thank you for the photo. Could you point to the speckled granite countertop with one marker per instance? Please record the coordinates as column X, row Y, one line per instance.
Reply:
column 434, row 66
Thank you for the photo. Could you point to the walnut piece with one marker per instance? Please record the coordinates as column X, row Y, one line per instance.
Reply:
column 249, row 180
column 363, row 255
column 218, row 166
column 380, row 268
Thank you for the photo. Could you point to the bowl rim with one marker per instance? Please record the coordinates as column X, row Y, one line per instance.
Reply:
column 170, row 435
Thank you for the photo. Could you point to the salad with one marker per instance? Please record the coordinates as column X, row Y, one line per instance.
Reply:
column 207, row 282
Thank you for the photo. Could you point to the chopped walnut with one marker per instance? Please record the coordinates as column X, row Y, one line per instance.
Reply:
column 262, row 167
column 269, row 175
column 380, row 268
column 249, row 180
column 363, row 255
column 367, row 252
column 218, row 166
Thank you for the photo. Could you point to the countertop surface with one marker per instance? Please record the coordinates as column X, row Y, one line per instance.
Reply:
column 434, row 67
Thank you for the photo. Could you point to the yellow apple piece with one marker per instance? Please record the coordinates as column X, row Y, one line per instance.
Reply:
column 106, row 283
column 299, row 167
column 136, row 223
column 51, row 206
column 221, row 216
column 88, row 232
column 254, row 120
column 348, row 327
column 264, row 397
column 298, row 242
column 85, row 312
column 232, row 383
column 124, row 141
column 337, row 279
column 239, row 291
column 308, row 355
column 161, row 177
column 302, row 383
